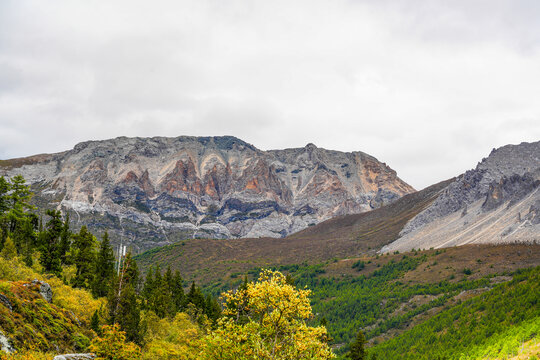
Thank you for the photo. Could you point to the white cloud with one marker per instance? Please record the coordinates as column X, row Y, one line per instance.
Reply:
column 429, row 87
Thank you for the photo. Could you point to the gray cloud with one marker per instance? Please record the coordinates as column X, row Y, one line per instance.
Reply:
column 429, row 87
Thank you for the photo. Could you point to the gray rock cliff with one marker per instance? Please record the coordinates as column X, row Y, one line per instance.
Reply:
column 153, row 191
column 497, row 202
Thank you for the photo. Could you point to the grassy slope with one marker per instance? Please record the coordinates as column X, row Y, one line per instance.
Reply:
column 492, row 325
column 387, row 298
column 207, row 260
column 35, row 324
column 393, row 294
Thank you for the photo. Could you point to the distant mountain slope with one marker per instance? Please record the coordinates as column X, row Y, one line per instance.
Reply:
column 153, row 191
column 494, row 325
column 343, row 236
column 497, row 202
column 386, row 296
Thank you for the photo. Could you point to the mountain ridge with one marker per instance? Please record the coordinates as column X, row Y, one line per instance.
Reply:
column 497, row 201
column 216, row 187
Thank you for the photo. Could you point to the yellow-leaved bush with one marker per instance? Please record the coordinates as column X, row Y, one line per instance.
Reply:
column 177, row 338
column 27, row 355
column 79, row 301
column 266, row 320
column 112, row 345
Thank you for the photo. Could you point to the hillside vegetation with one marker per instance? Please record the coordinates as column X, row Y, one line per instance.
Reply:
column 33, row 323
column 495, row 324
column 471, row 302
column 208, row 260
column 384, row 296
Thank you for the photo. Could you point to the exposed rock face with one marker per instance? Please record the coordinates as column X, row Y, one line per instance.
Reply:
column 88, row 356
column 509, row 189
column 496, row 202
column 152, row 191
column 5, row 344
column 5, row 301
column 44, row 289
column 534, row 213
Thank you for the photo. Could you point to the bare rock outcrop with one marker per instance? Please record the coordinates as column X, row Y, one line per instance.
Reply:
column 153, row 191
column 5, row 301
column 5, row 344
column 506, row 165
column 88, row 356
column 44, row 289
column 497, row 202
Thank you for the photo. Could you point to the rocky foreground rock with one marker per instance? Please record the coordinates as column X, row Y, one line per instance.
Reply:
column 153, row 191
column 87, row 356
column 497, row 202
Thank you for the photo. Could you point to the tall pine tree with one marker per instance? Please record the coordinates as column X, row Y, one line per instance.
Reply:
column 178, row 296
column 84, row 258
column 19, row 202
column 65, row 240
column 50, row 242
column 357, row 351
column 103, row 268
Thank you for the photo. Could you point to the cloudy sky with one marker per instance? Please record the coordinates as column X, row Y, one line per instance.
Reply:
column 429, row 87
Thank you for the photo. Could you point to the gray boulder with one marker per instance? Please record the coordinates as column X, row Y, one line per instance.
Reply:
column 5, row 344
column 87, row 356
column 4, row 300
column 44, row 289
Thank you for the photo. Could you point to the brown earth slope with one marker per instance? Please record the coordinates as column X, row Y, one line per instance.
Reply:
column 341, row 237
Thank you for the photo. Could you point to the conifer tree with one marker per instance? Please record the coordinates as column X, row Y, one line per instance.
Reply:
column 25, row 237
column 94, row 322
column 124, row 308
column 196, row 297
column 19, row 201
column 131, row 275
column 168, row 290
column 357, row 351
column 65, row 240
column 159, row 305
column 103, row 268
column 4, row 190
column 178, row 296
column 15, row 198
column 83, row 258
column 168, row 278
column 148, row 289
column 163, row 294
column 212, row 308
column 49, row 239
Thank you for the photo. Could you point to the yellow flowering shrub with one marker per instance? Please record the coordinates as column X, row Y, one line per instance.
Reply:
column 178, row 338
column 27, row 355
column 267, row 320
column 112, row 345
column 79, row 301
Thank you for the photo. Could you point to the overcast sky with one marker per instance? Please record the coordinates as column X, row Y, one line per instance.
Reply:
column 429, row 87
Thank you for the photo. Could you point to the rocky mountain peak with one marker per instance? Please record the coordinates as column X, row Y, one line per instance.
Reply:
column 152, row 191
column 495, row 202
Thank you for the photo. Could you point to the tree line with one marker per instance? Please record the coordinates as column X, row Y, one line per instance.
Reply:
column 51, row 242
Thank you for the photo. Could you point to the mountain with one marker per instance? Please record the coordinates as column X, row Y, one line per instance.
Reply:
column 497, row 202
column 206, row 260
column 154, row 191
